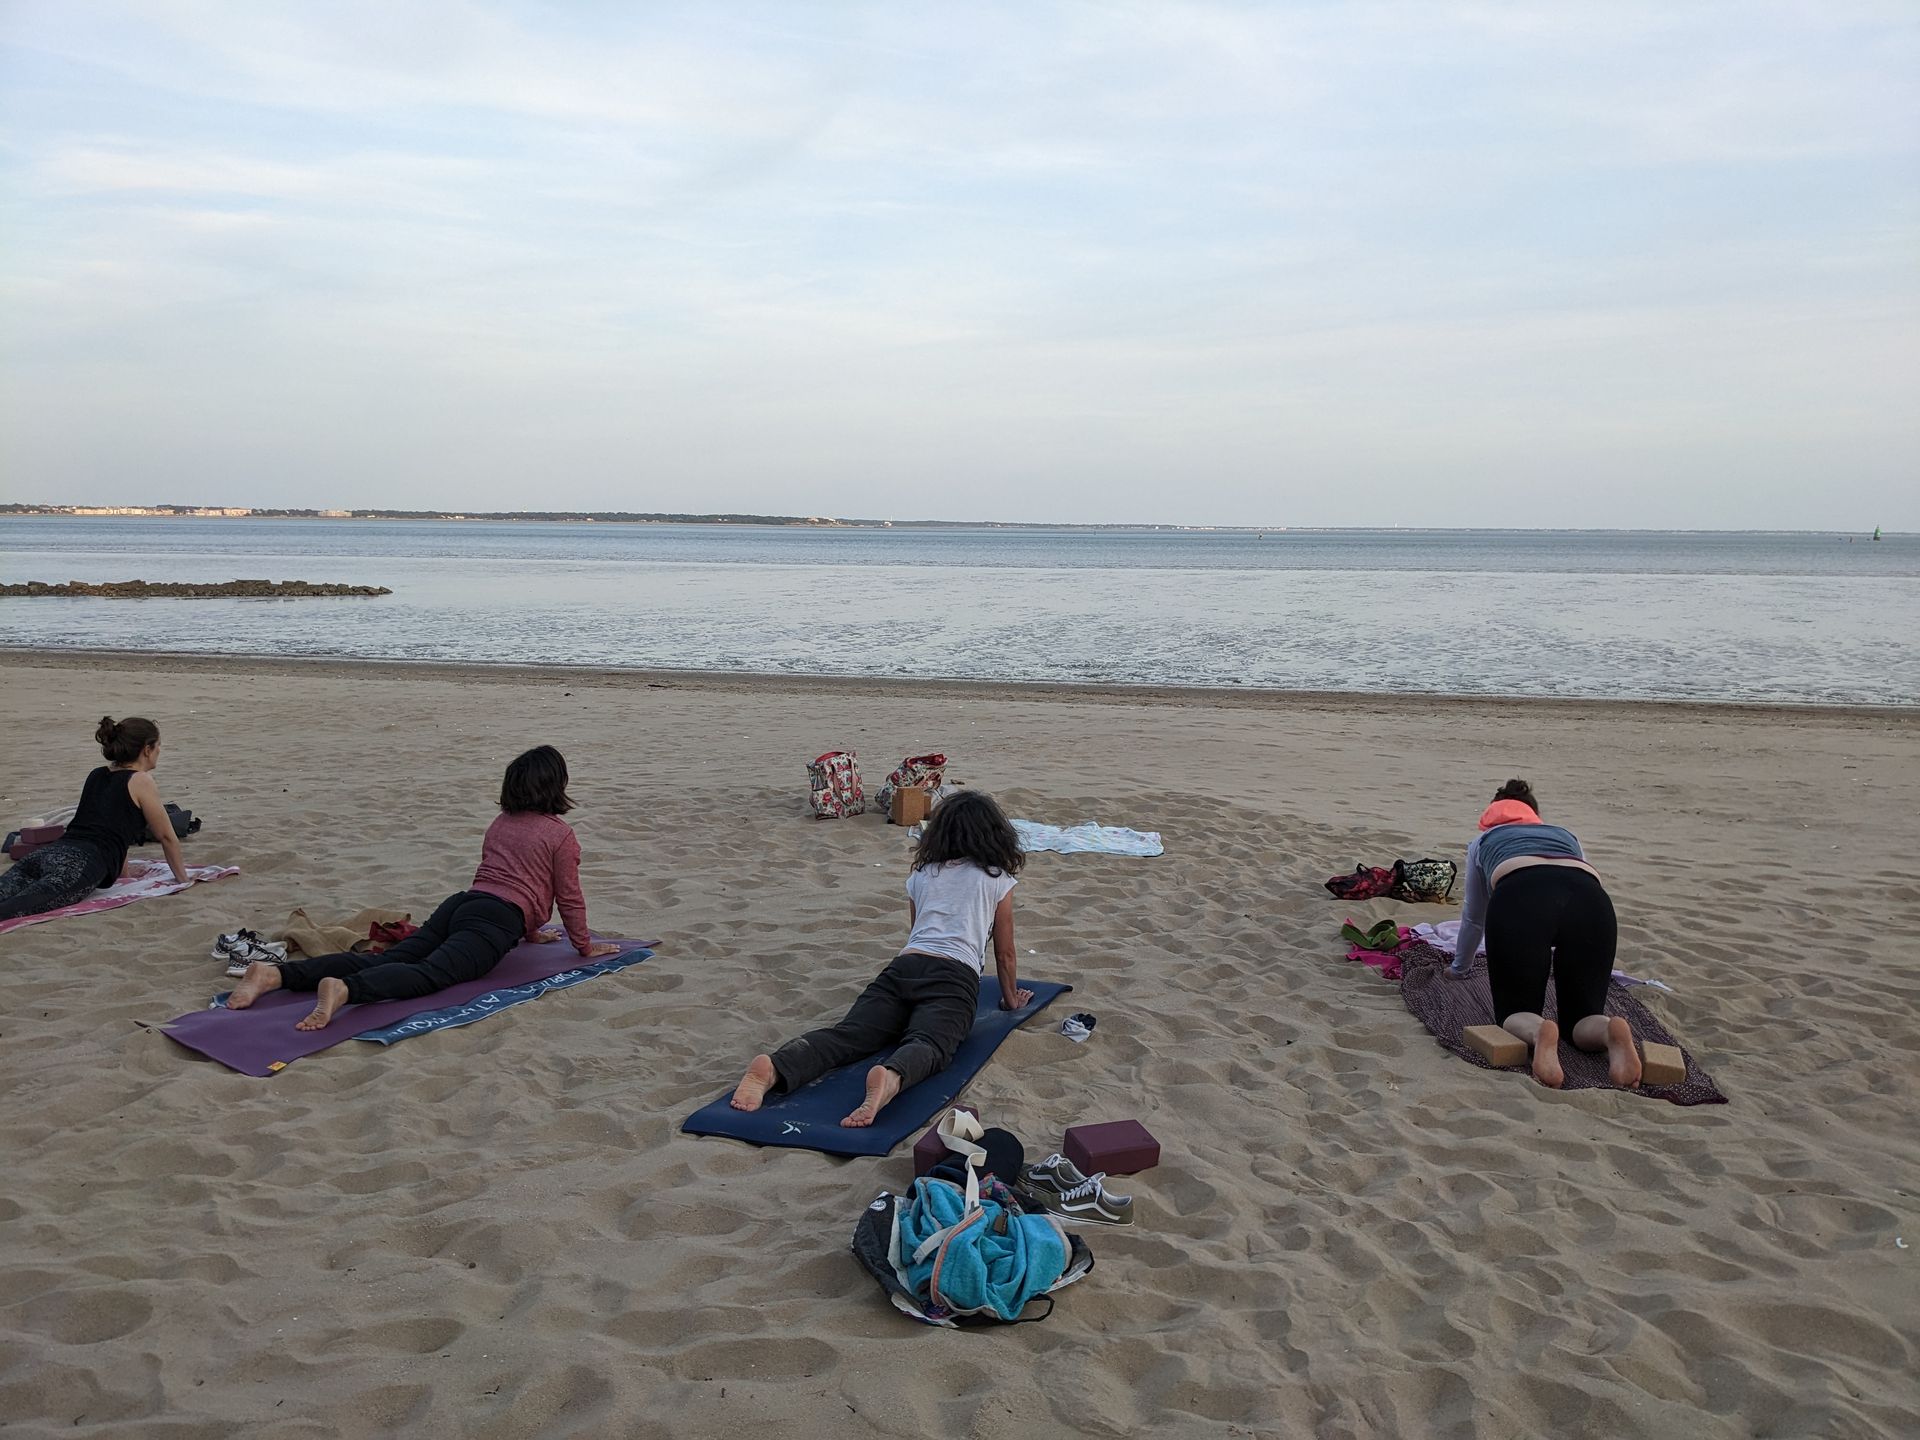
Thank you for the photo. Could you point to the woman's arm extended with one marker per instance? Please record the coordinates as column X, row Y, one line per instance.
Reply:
column 572, row 901
column 1473, row 912
column 1012, row 997
column 146, row 795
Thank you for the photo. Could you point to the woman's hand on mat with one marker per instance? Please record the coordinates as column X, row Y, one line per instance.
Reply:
column 1021, row 999
column 599, row 950
column 547, row 934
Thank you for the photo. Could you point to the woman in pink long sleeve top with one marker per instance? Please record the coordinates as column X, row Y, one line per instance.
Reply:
column 529, row 862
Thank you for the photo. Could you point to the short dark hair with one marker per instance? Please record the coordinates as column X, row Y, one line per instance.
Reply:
column 967, row 825
column 1518, row 790
column 124, row 741
column 536, row 782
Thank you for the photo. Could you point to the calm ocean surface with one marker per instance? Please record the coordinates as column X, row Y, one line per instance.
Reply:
column 1750, row 616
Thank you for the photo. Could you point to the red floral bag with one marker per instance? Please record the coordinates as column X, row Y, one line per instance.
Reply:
column 835, row 783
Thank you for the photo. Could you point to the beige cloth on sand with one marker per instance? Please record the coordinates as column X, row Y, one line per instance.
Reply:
column 309, row 936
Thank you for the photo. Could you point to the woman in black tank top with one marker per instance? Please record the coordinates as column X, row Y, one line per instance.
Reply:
column 119, row 804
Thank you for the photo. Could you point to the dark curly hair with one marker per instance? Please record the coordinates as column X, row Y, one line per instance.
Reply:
column 536, row 781
column 967, row 825
column 1518, row 790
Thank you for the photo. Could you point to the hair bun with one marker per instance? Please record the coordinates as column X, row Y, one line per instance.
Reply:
column 109, row 728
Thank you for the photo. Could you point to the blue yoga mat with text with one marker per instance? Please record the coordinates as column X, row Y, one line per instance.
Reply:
column 494, row 1001
column 809, row 1118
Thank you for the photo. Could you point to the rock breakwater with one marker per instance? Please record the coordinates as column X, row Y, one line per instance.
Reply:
column 172, row 590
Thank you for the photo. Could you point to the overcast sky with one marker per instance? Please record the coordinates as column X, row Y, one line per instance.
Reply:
column 1328, row 263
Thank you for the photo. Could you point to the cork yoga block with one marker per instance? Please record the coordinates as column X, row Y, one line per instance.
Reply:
column 909, row 806
column 1662, row 1065
column 1495, row 1045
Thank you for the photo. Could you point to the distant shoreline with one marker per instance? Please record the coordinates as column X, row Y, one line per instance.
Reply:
column 1236, row 697
column 825, row 522
column 587, row 517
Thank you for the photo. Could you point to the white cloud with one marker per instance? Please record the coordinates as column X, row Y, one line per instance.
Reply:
column 1054, row 256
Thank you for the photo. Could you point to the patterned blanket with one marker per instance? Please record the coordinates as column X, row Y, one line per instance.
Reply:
column 1447, row 1004
column 145, row 881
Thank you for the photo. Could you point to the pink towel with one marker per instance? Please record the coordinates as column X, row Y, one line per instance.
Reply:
column 1387, row 962
column 144, row 881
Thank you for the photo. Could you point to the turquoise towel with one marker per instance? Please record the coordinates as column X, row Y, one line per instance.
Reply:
column 997, row 1262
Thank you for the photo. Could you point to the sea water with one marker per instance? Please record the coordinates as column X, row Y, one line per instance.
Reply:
column 1795, row 617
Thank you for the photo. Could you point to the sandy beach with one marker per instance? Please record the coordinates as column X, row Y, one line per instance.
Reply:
column 499, row 1230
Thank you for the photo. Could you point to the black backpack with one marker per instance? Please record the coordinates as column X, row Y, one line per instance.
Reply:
column 184, row 822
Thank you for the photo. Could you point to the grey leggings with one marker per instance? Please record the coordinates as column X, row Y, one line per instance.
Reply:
column 62, row 873
column 923, row 1004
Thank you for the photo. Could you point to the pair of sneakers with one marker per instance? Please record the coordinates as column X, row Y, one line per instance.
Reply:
column 243, row 947
column 1065, row 1192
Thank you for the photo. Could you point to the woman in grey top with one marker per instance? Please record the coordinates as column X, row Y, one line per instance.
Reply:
column 1544, row 913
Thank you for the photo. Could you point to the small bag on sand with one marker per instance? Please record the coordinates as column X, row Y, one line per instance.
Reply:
column 916, row 772
column 834, row 779
column 1424, row 881
column 184, row 823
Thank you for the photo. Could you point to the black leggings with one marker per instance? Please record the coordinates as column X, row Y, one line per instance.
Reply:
column 923, row 1003
column 1550, row 919
column 461, row 941
column 63, row 873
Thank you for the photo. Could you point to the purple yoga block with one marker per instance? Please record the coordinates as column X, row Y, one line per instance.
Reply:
column 1118, row 1147
column 929, row 1150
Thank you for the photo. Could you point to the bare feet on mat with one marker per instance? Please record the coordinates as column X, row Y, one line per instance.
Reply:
column 1546, row 1056
column 754, row 1085
column 261, row 977
column 882, row 1086
column 1623, row 1056
column 332, row 995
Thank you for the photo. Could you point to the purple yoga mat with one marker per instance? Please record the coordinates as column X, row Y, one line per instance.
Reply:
column 261, row 1040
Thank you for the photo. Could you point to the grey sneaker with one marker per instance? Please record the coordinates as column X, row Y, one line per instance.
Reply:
column 1089, row 1201
column 1054, row 1174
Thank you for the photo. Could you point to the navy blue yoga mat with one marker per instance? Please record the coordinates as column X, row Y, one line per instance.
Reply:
column 809, row 1118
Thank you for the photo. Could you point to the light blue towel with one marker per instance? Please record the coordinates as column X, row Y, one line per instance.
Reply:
column 980, row 1269
column 1087, row 838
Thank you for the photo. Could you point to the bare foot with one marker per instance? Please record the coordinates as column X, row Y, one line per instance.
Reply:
column 333, row 994
column 882, row 1086
column 1623, row 1056
column 754, row 1085
column 261, row 976
column 1546, row 1056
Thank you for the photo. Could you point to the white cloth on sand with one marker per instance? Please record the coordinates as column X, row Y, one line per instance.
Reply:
column 1445, row 936
column 1087, row 838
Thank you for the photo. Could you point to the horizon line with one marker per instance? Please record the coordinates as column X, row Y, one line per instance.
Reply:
column 176, row 511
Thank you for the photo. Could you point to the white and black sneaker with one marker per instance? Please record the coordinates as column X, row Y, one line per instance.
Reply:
column 225, row 945
column 1072, row 1196
column 244, row 948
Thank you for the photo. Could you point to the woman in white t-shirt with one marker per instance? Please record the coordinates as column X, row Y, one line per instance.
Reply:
column 959, row 896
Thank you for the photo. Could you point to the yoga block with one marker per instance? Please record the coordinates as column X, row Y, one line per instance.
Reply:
column 29, row 838
column 910, row 806
column 1495, row 1045
column 1119, row 1147
column 1662, row 1065
column 929, row 1150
